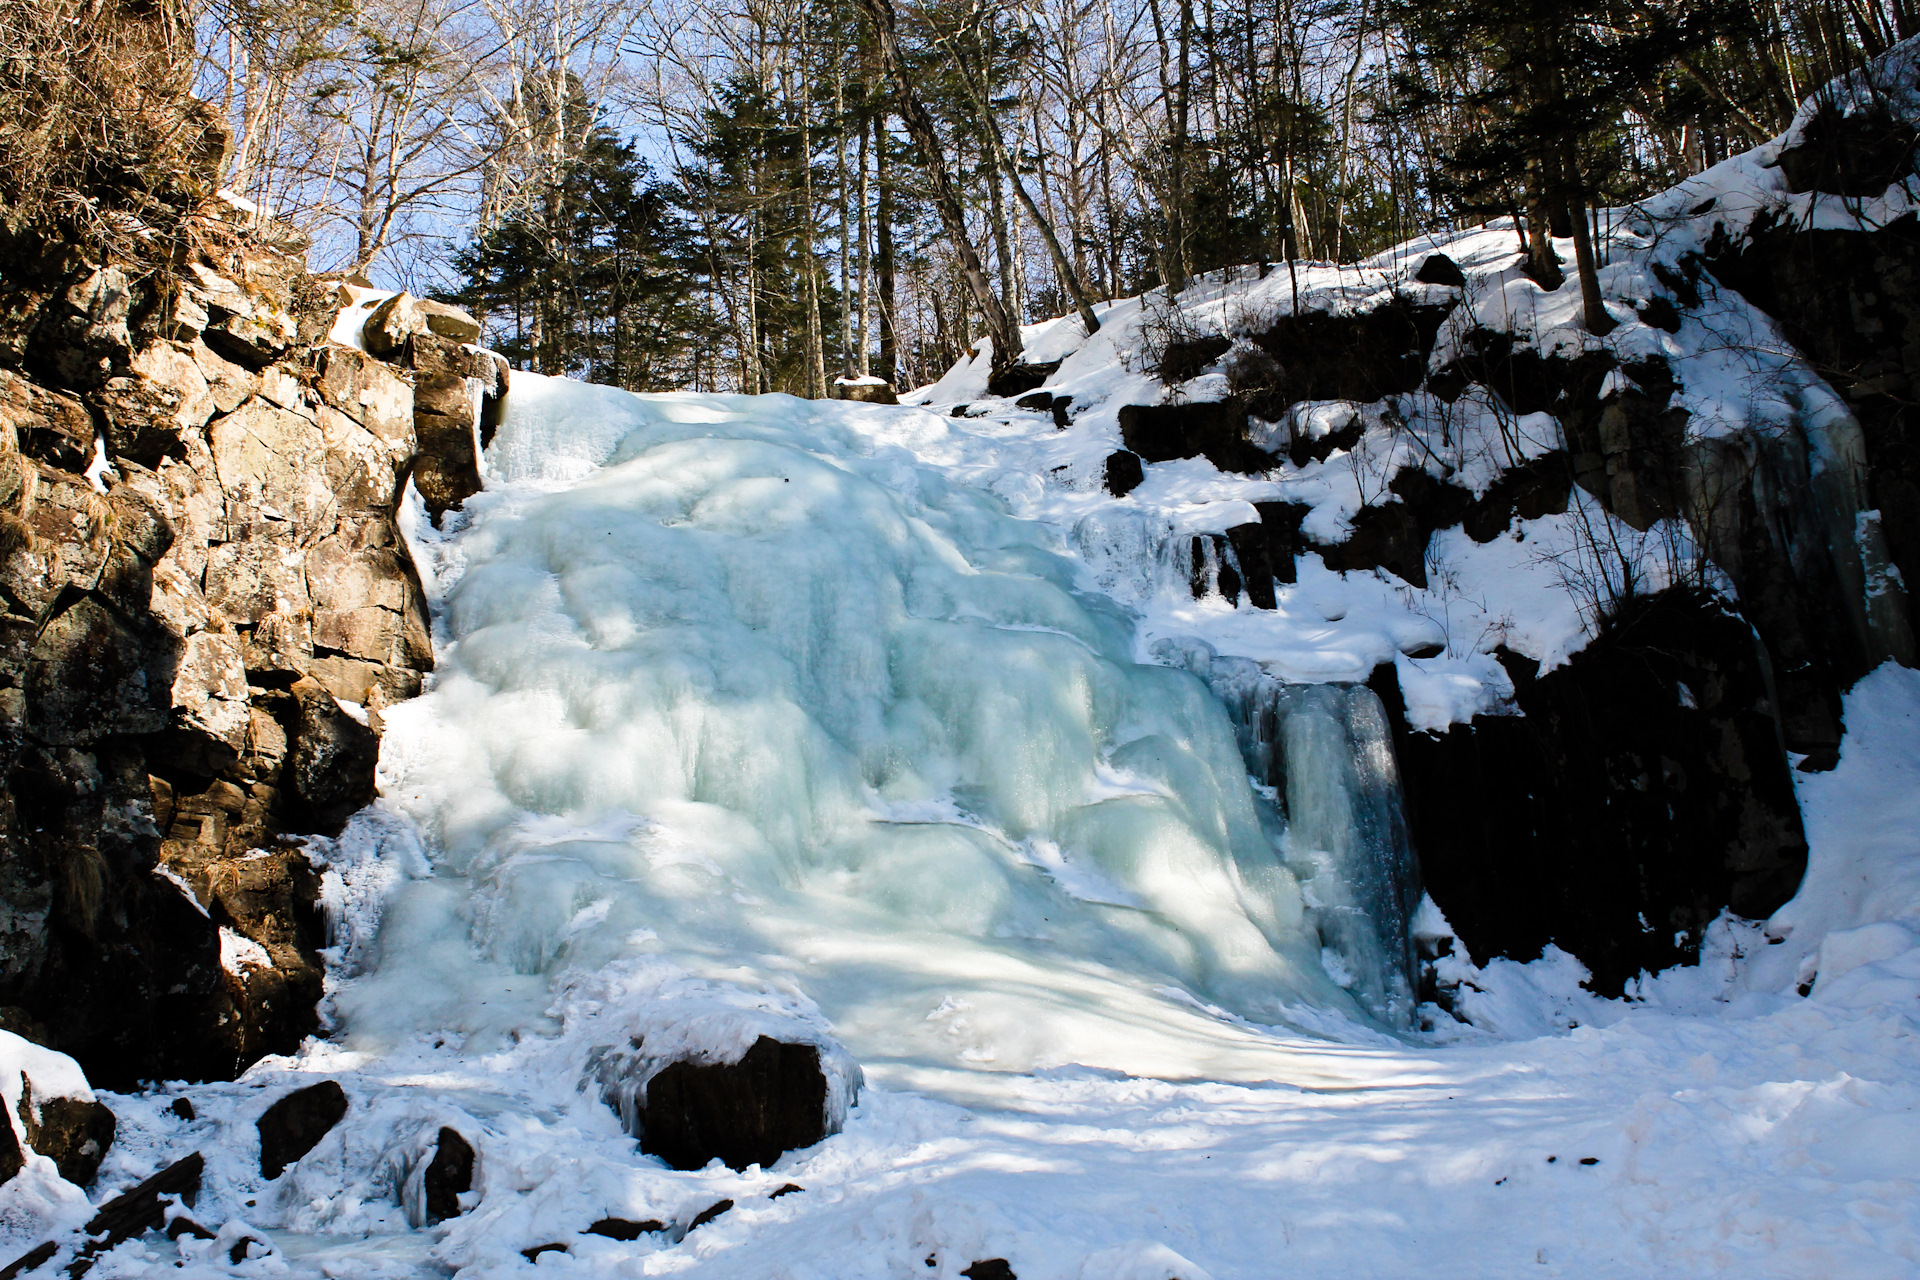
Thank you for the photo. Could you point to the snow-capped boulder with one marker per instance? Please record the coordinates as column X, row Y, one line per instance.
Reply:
column 51, row 1111
column 865, row 390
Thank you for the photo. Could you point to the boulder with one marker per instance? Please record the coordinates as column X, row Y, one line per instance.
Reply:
column 1216, row 430
column 447, row 471
column 864, row 391
column 446, row 321
column 73, row 1132
column 625, row 1228
column 390, row 324
column 989, row 1269
column 52, row 1111
column 1018, row 379
column 294, row 1124
column 1441, row 270
column 1857, row 153
column 331, row 764
column 449, row 1175
column 1124, row 473
column 771, row 1100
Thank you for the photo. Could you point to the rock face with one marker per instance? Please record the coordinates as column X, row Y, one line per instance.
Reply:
column 197, row 640
column 773, row 1100
column 1641, row 790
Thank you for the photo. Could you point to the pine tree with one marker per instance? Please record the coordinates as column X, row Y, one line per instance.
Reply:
column 593, row 274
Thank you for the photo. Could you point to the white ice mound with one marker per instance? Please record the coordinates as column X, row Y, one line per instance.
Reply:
column 729, row 684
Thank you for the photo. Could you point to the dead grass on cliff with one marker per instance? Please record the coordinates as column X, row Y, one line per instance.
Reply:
column 103, row 144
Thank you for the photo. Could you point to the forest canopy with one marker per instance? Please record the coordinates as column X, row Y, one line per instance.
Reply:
column 767, row 195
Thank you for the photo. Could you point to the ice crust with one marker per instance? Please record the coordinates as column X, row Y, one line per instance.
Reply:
column 730, row 682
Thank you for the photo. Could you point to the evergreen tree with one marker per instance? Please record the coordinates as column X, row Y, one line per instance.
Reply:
column 1533, row 86
column 592, row 273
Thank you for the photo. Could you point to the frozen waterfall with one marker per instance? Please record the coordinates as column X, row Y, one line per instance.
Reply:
column 732, row 684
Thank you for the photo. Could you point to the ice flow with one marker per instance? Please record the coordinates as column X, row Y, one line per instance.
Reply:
column 729, row 683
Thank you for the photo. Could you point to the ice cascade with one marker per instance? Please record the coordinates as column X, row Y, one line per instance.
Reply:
column 1326, row 753
column 730, row 686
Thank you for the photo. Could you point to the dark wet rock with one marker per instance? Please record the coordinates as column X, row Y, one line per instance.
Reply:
column 532, row 1252
column 1850, row 300
column 1527, row 492
column 773, row 1100
column 449, row 1175
column 1124, row 473
column 1249, row 543
column 990, row 1269
column 294, row 1124
column 1059, row 409
column 1660, row 313
column 246, row 1248
column 1017, row 379
column 709, row 1213
column 625, row 1228
column 1641, row 791
column 1216, row 430
column 1360, row 357
column 1442, row 270
column 1035, row 402
column 1855, row 153
column 1186, row 358
column 786, row 1189
column 182, row 1107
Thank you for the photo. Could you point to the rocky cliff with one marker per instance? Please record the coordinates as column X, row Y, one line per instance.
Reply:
column 205, row 603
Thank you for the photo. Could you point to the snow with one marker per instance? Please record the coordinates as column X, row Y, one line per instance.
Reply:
column 350, row 322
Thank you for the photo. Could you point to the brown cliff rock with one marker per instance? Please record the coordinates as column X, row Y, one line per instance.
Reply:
column 195, row 644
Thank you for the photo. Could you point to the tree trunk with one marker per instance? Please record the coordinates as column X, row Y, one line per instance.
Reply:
column 1592, row 309
column 946, row 198
column 864, row 336
column 883, row 253
column 1543, row 265
column 816, row 345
